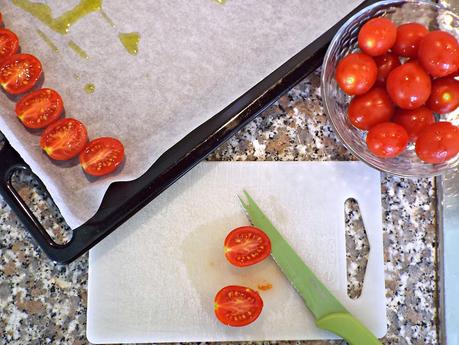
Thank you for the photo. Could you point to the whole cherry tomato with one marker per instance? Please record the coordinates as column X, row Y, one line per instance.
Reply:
column 409, row 36
column 356, row 73
column 414, row 120
column 439, row 53
column 408, row 86
column 387, row 140
column 385, row 63
column 377, row 36
column 371, row 108
column 438, row 142
column 445, row 95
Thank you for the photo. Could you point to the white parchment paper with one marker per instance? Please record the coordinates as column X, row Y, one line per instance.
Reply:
column 195, row 57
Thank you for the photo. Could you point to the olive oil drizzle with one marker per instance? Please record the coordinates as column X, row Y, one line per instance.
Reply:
column 107, row 18
column 48, row 41
column 77, row 49
column 62, row 23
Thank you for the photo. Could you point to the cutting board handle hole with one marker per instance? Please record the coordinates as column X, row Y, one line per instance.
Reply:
column 357, row 248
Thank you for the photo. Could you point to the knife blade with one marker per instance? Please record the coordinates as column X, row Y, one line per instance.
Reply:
column 328, row 312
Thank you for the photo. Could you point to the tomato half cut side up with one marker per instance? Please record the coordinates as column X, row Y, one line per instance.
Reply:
column 237, row 306
column 19, row 73
column 102, row 156
column 9, row 44
column 64, row 139
column 246, row 246
column 39, row 108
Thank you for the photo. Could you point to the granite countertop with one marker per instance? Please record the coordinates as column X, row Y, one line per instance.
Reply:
column 42, row 302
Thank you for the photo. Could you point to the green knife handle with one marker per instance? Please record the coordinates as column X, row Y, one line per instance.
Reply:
column 349, row 328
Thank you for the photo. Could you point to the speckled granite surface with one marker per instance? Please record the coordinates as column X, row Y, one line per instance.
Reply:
column 41, row 302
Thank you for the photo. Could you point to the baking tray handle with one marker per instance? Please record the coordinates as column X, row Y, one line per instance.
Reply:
column 11, row 162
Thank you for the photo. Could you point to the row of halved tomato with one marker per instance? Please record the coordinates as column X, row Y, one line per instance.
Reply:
column 62, row 139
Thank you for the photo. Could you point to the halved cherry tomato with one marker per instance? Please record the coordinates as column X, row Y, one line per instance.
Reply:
column 439, row 53
column 444, row 97
column 385, row 63
column 377, row 36
column 408, row 86
column 409, row 36
column 102, row 156
column 19, row 73
column 64, row 139
column 247, row 245
column 39, row 108
column 237, row 306
column 356, row 73
column 387, row 140
column 414, row 120
column 371, row 108
column 438, row 142
column 9, row 43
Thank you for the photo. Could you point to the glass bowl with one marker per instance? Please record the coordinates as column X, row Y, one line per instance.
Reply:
column 432, row 15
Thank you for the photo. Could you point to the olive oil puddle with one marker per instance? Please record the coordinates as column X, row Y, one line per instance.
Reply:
column 90, row 88
column 130, row 42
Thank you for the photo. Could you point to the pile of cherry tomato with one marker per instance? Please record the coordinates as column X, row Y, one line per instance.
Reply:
column 236, row 305
column 64, row 138
column 402, row 77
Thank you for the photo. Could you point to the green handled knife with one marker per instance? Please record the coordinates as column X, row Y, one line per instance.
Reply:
column 329, row 313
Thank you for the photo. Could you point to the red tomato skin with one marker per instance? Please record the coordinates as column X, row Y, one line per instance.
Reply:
column 414, row 120
column 409, row 36
column 13, row 44
column 438, row 142
column 439, row 53
column 385, row 64
column 444, row 97
column 262, row 251
column 371, row 108
column 356, row 73
column 377, row 36
column 72, row 148
column 409, row 85
column 50, row 118
column 34, row 73
column 387, row 140
column 112, row 161
column 225, row 295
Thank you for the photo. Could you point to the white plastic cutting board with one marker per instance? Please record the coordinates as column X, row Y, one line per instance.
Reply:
column 154, row 279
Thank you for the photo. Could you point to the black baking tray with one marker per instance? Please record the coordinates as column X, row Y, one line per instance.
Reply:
column 123, row 199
